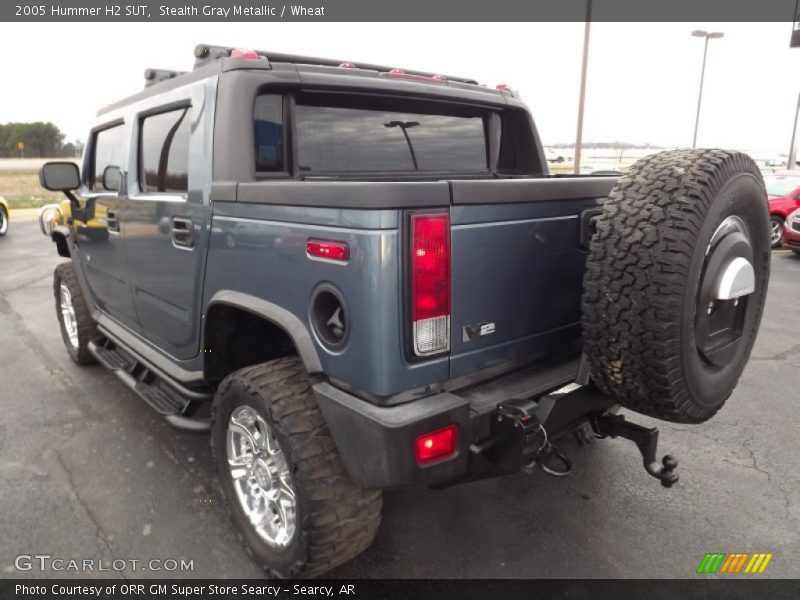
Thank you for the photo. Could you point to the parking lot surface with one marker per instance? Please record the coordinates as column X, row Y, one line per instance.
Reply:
column 89, row 471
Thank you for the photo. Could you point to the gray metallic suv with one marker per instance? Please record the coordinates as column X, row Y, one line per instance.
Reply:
column 358, row 277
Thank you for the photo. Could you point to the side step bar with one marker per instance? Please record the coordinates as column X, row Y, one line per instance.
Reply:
column 170, row 399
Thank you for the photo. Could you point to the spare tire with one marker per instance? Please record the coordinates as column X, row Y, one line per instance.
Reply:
column 676, row 281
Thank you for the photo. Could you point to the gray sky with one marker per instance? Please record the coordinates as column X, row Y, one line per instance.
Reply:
column 642, row 85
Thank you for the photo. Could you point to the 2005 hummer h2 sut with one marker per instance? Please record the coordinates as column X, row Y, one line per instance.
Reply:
column 359, row 277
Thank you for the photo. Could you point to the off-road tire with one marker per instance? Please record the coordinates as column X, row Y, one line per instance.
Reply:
column 87, row 328
column 336, row 520
column 643, row 274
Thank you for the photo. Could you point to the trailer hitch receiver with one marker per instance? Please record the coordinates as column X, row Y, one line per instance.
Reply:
column 645, row 439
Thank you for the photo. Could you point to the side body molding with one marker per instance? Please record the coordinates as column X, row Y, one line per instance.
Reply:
column 277, row 315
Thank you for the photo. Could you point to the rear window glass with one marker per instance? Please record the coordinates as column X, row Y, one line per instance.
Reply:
column 107, row 154
column 164, row 157
column 268, row 133
column 344, row 139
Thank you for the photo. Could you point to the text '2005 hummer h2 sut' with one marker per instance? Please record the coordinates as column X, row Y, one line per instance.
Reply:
column 359, row 278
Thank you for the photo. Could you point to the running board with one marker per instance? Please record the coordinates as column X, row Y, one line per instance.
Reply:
column 171, row 400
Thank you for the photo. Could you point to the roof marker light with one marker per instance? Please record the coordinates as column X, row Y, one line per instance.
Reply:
column 244, row 53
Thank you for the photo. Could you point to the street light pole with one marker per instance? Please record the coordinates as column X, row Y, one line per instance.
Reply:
column 576, row 163
column 707, row 36
column 791, row 160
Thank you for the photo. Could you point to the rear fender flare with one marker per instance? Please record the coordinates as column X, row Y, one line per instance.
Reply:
column 277, row 315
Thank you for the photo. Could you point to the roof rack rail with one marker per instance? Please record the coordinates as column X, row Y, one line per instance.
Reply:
column 154, row 76
column 206, row 53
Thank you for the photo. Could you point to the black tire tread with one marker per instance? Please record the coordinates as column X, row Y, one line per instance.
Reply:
column 636, row 276
column 87, row 328
column 342, row 519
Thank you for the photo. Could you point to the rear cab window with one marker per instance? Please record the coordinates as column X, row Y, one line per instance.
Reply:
column 164, row 152
column 351, row 135
column 381, row 139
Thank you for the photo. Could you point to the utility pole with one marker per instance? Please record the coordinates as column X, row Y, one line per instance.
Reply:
column 707, row 36
column 792, row 159
column 582, row 96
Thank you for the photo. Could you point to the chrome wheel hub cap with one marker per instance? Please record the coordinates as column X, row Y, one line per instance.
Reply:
column 261, row 477
column 727, row 281
column 775, row 234
column 68, row 315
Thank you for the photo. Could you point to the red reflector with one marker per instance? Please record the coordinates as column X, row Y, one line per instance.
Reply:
column 436, row 445
column 400, row 74
column 243, row 53
column 331, row 250
column 430, row 266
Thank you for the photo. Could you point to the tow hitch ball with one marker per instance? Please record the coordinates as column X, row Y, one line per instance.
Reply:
column 645, row 439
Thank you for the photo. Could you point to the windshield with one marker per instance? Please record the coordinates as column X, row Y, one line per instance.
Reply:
column 781, row 186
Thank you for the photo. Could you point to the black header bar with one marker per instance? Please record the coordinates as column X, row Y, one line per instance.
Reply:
column 396, row 10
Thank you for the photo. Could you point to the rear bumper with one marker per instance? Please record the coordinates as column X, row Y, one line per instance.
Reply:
column 377, row 442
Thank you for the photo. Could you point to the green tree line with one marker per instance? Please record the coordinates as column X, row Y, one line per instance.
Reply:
column 41, row 140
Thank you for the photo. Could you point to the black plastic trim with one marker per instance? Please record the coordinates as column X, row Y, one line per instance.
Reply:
column 377, row 443
column 346, row 194
column 544, row 189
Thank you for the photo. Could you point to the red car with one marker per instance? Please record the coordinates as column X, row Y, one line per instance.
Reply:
column 791, row 232
column 783, row 191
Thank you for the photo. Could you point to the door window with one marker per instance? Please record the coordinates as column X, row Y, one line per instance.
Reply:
column 164, row 152
column 107, row 159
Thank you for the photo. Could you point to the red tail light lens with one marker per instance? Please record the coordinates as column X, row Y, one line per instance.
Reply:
column 400, row 74
column 430, row 282
column 244, row 53
column 436, row 445
column 339, row 251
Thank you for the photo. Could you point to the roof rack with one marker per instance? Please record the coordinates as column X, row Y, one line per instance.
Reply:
column 206, row 53
column 154, row 76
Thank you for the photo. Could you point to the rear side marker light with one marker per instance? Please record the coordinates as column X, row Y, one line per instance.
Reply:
column 430, row 283
column 330, row 250
column 436, row 445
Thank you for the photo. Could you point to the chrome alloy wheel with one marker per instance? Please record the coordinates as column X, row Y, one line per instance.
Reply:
column 3, row 222
column 775, row 232
column 261, row 477
column 68, row 314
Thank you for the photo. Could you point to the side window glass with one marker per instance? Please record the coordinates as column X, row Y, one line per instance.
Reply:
column 107, row 159
column 164, row 152
column 268, row 133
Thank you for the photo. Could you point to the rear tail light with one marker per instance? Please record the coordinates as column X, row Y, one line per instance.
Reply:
column 430, row 283
column 436, row 445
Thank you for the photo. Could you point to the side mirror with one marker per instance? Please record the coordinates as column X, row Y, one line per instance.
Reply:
column 62, row 176
column 111, row 178
column 59, row 176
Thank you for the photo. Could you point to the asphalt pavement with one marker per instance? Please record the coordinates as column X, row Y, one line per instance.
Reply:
column 89, row 471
